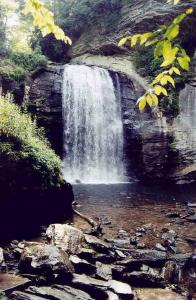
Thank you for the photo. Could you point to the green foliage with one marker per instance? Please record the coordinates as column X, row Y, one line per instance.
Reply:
column 18, row 64
column 174, row 57
column 24, row 144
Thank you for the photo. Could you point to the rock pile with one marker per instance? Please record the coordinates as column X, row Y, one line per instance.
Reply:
column 70, row 264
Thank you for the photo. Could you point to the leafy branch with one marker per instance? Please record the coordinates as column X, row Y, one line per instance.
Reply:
column 175, row 58
column 44, row 20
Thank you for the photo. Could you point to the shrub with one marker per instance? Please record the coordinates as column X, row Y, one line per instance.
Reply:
column 26, row 159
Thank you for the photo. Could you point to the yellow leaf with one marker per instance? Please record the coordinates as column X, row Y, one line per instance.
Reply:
column 171, row 80
column 142, row 103
column 171, row 71
column 149, row 100
column 163, row 80
column 176, row 70
column 158, row 89
column 164, row 91
column 144, row 37
column 155, row 99
column 134, row 39
column 189, row 11
column 123, row 41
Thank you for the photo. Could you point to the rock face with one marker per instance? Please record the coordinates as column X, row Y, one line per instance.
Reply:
column 102, row 36
column 43, row 98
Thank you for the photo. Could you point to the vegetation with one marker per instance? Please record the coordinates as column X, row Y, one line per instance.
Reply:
column 175, row 59
column 26, row 159
column 18, row 64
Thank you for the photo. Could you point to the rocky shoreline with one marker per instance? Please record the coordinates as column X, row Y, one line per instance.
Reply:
column 68, row 263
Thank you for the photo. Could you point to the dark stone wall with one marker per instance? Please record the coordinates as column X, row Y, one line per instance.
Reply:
column 44, row 100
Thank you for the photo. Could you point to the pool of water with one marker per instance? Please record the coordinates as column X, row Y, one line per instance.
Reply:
column 128, row 206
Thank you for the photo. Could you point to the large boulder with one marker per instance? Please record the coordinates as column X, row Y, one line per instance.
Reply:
column 65, row 237
column 44, row 259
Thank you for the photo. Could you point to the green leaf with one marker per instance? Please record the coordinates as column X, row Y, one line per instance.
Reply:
column 179, row 18
column 172, row 32
column 158, row 49
column 183, row 63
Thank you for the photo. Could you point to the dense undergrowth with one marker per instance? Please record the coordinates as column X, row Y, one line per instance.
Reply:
column 26, row 159
column 16, row 65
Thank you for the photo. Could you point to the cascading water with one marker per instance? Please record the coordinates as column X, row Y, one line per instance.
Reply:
column 93, row 129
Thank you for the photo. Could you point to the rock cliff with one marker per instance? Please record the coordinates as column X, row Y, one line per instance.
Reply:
column 155, row 148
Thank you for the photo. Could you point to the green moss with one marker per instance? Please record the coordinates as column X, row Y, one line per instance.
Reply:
column 26, row 158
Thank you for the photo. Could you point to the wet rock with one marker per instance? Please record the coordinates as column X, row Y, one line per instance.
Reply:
column 122, row 289
column 158, row 294
column 104, row 271
column 120, row 254
column 141, row 229
column 59, row 292
column 149, row 257
column 86, row 253
column 98, row 244
column 181, row 258
column 145, row 278
column 44, row 259
column 173, row 214
column 172, row 272
column 24, row 296
column 141, row 246
column 192, row 219
column 192, row 205
column 121, row 243
column 93, row 285
column 9, row 282
column 112, row 296
column 159, row 247
column 169, row 238
column 65, row 237
column 105, row 258
column 134, row 240
column 82, row 266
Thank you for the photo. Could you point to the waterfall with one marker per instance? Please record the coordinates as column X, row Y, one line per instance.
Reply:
column 93, row 129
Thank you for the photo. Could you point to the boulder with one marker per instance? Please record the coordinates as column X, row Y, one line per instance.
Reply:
column 82, row 266
column 98, row 244
column 65, row 237
column 44, row 259
column 104, row 271
column 145, row 278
